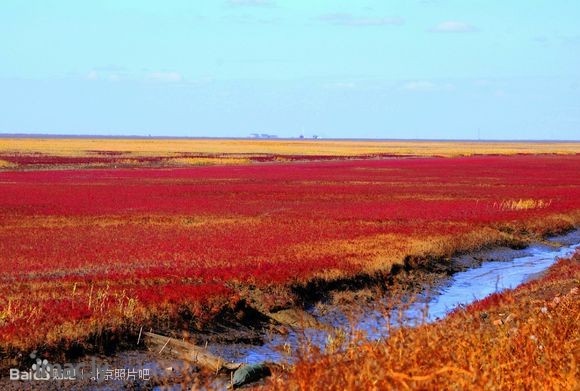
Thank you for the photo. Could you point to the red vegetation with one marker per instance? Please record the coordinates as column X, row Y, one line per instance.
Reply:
column 98, row 158
column 82, row 250
column 104, row 157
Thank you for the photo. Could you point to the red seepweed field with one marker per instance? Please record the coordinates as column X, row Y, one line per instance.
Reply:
column 87, row 252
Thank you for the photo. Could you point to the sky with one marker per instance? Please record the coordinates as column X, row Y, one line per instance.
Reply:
column 434, row 69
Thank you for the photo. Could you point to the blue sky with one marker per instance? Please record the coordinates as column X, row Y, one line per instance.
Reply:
column 364, row 69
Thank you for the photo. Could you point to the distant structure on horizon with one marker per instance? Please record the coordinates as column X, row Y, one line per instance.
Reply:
column 270, row 136
column 263, row 135
column 314, row 136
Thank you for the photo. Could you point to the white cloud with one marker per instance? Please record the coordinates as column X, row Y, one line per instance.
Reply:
column 109, row 72
column 169, row 77
column 343, row 85
column 424, row 85
column 104, row 75
column 143, row 75
column 202, row 80
column 92, row 75
column 571, row 40
column 482, row 82
column 250, row 3
column 251, row 19
column 453, row 26
column 345, row 19
column 419, row 85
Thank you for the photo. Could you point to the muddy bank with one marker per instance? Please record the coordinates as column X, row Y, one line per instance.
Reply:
column 422, row 295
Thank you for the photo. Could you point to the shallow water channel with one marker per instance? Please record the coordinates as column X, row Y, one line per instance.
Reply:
column 497, row 270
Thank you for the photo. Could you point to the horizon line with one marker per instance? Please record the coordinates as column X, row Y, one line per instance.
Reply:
column 270, row 138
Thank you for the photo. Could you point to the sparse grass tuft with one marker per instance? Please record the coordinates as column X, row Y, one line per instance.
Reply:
column 206, row 161
column 523, row 204
column 7, row 164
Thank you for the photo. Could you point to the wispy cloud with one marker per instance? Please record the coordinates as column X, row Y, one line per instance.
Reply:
column 120, row 74
column 453, row 26
column 101, row 74
column 426, row 86
column 92, row 75
column 167, row 77
column 419, row 85
column 250, row 3
column 341, row 85
column 571, row 40
column 346, row 19
column 542, row 40
column 251, row 19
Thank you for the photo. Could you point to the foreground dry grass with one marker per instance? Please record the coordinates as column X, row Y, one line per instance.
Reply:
column 165, row 147
column 527, row 338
